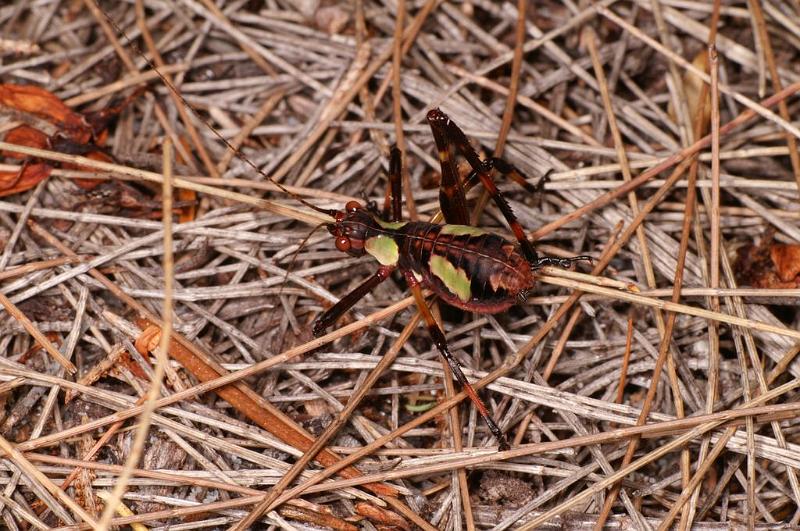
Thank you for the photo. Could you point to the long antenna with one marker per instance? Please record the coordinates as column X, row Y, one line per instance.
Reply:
column 216, row 133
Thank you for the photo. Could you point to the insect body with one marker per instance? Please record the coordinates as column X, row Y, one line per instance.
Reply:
column 464, row 266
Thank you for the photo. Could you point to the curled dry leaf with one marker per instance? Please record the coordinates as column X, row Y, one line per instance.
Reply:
column 118, row 198
column 769, row 265
column 100, row 120
column 148, row 339
column 89, row 184
column 25, row 135
column 787, row 262
column 14, row 182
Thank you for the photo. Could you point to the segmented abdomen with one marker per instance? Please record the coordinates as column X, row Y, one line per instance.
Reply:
column 468, row 268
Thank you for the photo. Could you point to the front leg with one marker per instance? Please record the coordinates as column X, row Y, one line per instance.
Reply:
column 332, row 314
column 437, row 335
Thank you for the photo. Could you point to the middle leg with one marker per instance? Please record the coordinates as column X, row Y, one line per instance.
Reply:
column 446, row 133
column 332, row 314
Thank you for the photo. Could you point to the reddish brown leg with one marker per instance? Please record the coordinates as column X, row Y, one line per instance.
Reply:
column 452, row 199
column 517, row 176
column 437, row 335
column 449, row 135
column 392, row 204
column 508, row 170
column 333, row 313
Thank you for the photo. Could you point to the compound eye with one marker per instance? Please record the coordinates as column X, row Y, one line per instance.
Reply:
column 352, row 206
column 343, row 243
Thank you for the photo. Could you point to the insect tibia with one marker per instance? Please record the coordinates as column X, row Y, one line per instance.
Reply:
column 565, row 263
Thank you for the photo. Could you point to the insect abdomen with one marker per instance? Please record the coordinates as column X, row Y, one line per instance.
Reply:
column 468, row 268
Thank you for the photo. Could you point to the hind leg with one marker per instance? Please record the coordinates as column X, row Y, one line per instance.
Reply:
column 438, row 337
column 443, row 127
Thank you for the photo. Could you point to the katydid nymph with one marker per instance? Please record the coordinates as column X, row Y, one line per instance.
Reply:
column 464, row 266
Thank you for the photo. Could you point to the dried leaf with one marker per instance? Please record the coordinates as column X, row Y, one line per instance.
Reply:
column 769, row 265
column 14, row 182
column 754, row 267
column 25, row 135
column 787, row 262
column 189, row 212
column 693, row 88
column 75, row 134
column 148, row 339
column 89, row 184
column 45, row 104
column 99, row 120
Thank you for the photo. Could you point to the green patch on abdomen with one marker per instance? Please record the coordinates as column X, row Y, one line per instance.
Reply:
column 461, row 230
column 454, row 279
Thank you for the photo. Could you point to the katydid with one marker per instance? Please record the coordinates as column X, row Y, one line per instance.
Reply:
column 466, row 267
